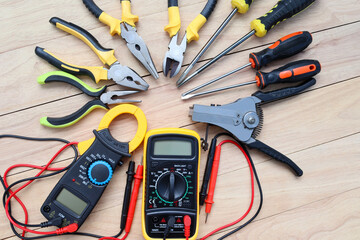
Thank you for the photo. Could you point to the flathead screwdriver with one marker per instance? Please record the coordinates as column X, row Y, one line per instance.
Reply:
column 241, row 6
column 285, row 47
column 283, row 10
column 293, row 72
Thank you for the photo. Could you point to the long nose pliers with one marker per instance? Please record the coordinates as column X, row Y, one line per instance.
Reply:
column 175, row 54
column 101, row 101
column 126, row 28
column 122, row 75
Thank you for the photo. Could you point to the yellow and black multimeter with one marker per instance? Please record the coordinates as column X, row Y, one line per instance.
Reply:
column 171, row 183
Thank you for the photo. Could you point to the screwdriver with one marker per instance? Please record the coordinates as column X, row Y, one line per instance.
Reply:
column 283, row 10
column 293, row 72
column 283, row 48
column 241, row 6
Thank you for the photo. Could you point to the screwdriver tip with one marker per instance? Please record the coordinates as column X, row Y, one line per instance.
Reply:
column 188, row 96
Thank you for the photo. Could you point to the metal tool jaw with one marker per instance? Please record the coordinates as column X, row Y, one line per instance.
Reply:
column 138, row 47
column 174, row 56
column 240, row 117
column 113, row 97
column 125, row 76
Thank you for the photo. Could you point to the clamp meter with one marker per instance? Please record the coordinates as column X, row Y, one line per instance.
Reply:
column 78, row 191
column 171, row 182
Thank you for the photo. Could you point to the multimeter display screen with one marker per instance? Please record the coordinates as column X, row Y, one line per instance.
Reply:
column 72, row 202
column 172, row 148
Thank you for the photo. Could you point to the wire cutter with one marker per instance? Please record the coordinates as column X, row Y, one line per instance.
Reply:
column 126, row 28
column 102, row 100
column 175, row 54
column 122, row 75
column 244, row 118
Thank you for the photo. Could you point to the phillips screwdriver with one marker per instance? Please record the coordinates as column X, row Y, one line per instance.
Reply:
column 283, row 48
column 241, row 6
column 283, row 10
column 293, row 72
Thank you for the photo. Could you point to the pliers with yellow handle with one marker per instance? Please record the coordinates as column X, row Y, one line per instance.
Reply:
column 126, row 28
column 122, row 75
column 175, row 54
column 102, row 98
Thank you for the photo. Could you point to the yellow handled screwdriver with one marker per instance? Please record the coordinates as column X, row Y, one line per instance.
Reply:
column 241, row 6
column 283, row 10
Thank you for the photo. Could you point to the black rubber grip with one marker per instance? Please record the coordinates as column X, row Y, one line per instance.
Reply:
column 93, row 8
column 127, row 194
column 275, row 95
column 62, row 65
column 283, row 10
column 208, row 168
column 80, row 30
column 283, row 48
column 59, row 78
column 276, row 155
column 173, row 3
column 76, row 115
column 293, row 72
column 209, row 8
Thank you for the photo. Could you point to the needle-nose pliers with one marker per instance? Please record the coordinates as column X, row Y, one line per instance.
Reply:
column 122, row 75
column 126, row 28
column 102, row 98
column 175, row 55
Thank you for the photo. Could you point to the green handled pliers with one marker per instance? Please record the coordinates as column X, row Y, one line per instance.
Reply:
column 102, row 100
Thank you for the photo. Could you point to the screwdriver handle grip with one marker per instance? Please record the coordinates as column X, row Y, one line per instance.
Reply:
column 241, row 5
column 293, row 72
column 285, row 47
column 284, row 9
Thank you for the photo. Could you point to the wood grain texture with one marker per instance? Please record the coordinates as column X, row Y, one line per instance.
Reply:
column 318, row 129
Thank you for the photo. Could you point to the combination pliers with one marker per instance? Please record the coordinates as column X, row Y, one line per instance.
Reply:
column 122, row 75
column 102, row 98
column 175, row 54
column 126, row 28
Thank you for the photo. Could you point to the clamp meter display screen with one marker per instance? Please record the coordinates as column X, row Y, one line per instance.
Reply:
column 72, row 202
column 172, row 148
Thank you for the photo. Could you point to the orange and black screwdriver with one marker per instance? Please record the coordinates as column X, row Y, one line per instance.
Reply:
column 284, row 9
column 293, row 72
column 283, row 48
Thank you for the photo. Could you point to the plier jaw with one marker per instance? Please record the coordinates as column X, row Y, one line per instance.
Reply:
column 125, row 76
column 138, row 47
column 174, row 56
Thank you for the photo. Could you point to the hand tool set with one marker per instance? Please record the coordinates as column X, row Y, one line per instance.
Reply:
column 175, row 55
column 171, row 194
column 283, row 10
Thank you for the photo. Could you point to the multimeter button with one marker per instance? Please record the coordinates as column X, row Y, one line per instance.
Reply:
column 100, row 172
column 171, row 186
column 189, row 167
column 155, row 219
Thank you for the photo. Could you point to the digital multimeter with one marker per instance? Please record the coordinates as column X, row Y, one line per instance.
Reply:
column 171, row 182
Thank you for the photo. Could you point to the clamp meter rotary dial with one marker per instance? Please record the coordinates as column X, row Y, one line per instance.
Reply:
column 170, row 189
column 100, row 172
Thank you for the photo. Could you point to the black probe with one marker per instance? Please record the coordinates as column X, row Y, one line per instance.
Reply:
column 208, row 167
column 127, row 194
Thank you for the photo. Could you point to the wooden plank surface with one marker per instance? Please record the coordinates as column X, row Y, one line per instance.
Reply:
column 318, row 129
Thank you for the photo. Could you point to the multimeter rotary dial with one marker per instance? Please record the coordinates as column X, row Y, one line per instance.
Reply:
column 100, row 172
column 171, row 186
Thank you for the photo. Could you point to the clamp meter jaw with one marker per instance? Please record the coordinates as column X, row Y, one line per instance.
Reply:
column 81, row 187
column 170, row 189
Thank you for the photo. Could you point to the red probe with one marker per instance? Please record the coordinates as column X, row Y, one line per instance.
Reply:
column 214, row 171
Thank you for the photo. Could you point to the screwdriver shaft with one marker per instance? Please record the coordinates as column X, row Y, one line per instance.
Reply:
column 220, row 55
column 206, row 46
column 216, row 79
column 188, row 96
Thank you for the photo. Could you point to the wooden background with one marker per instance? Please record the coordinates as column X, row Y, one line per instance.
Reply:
column 318, row 129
